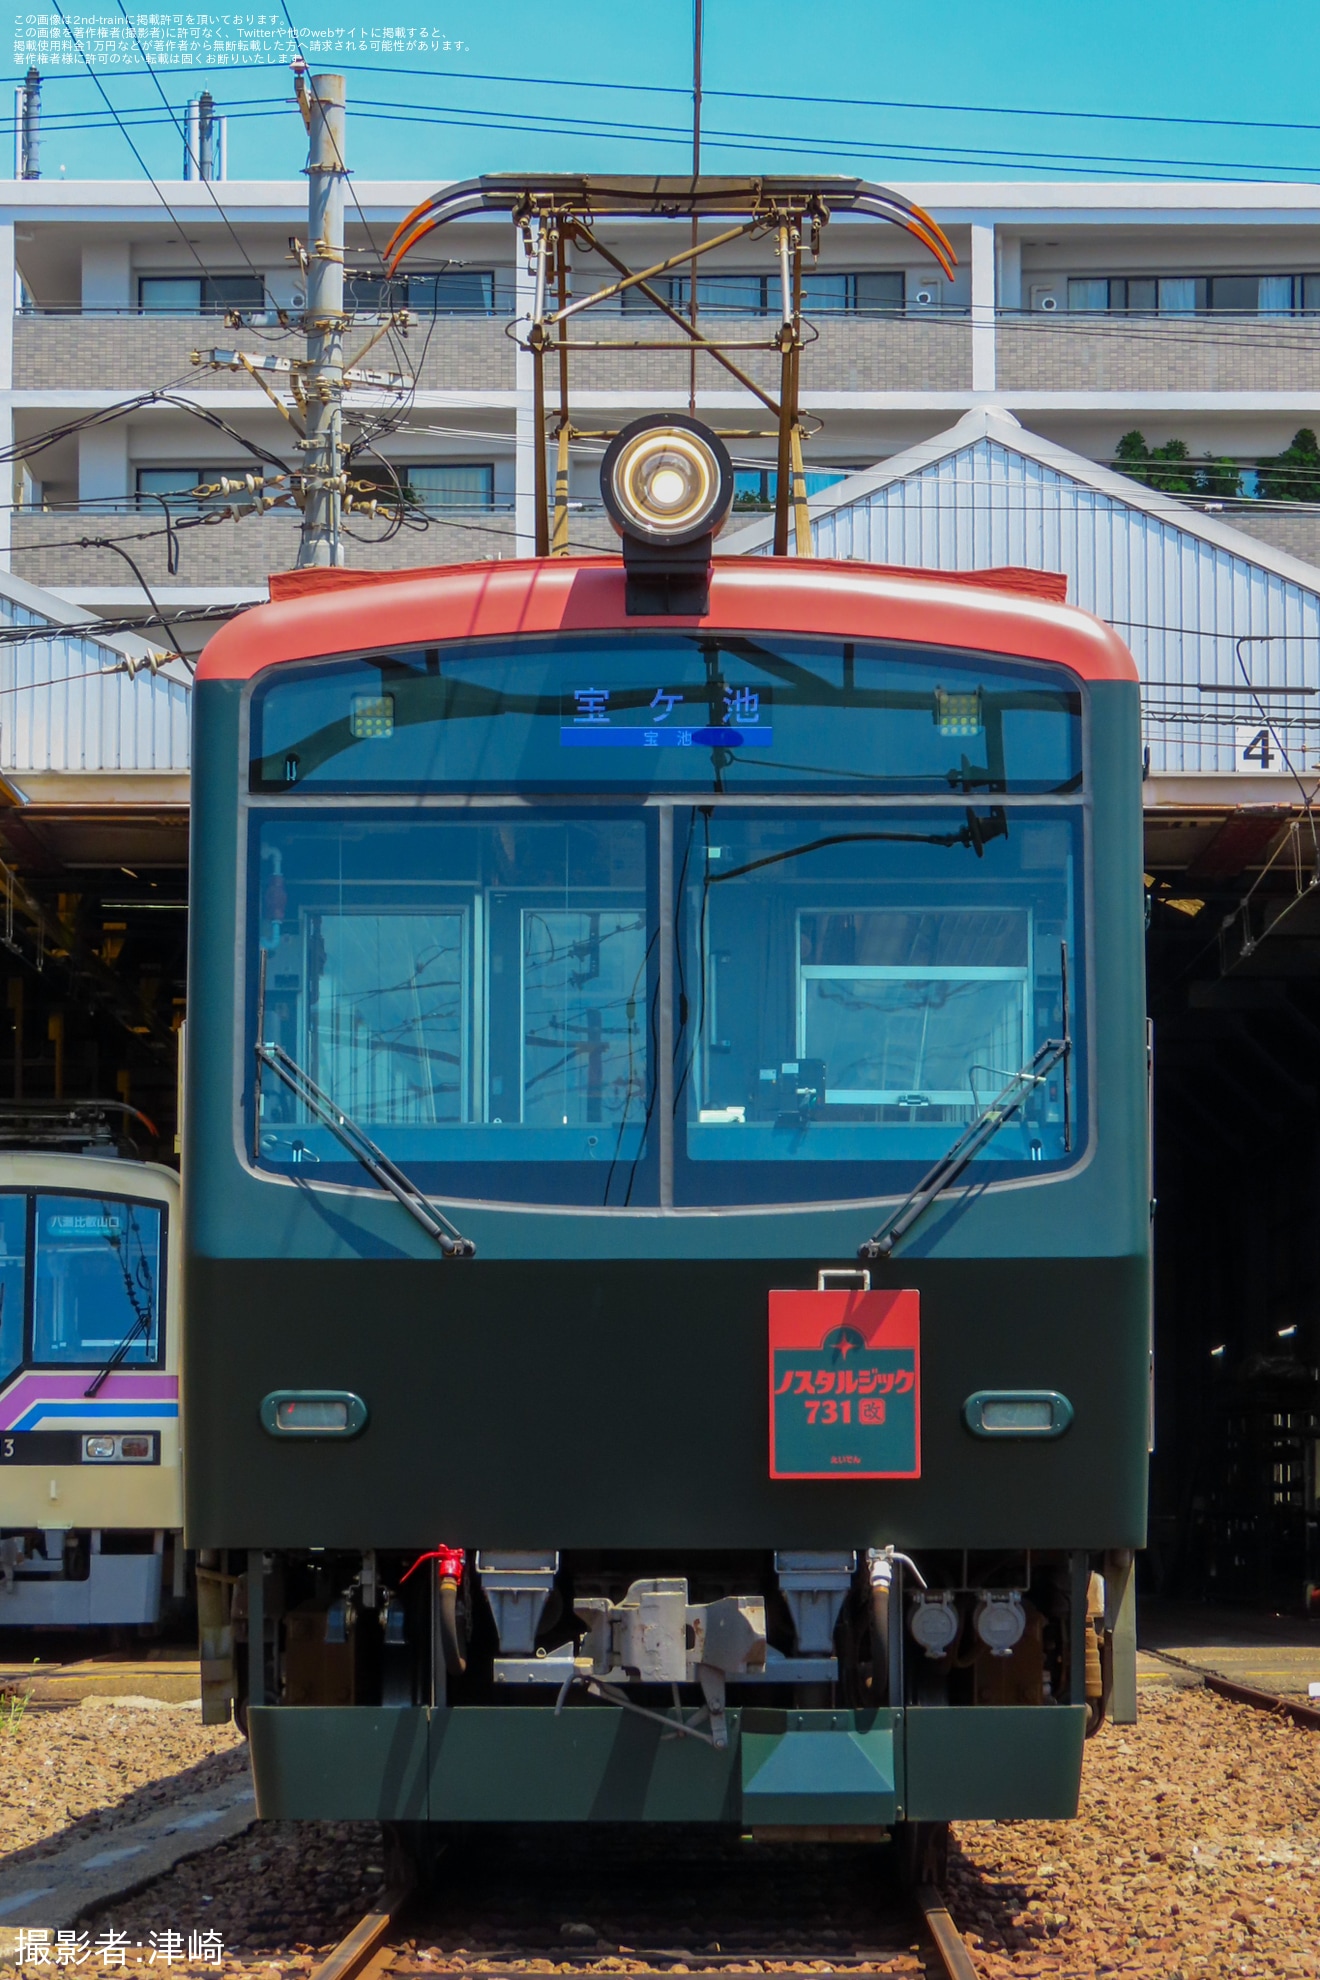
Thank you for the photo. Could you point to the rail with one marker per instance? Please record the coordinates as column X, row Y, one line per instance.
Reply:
column 1275, row 1702
column 375, row 1946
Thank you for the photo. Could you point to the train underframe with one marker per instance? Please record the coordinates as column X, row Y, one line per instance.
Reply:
column 71, row 1577
column 833, row 1693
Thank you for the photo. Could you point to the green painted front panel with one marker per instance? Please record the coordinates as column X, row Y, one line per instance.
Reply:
column 599, row 1764
column 826, row 1767
column 485, row 1764
column 520, row 1405
column 346, row 1764
column 987, row 1762
column 511, row 1763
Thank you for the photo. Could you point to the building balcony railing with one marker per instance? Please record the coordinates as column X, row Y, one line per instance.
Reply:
column 847, row 353
column 1092, row 351
column 64, row 352
column 843, row 353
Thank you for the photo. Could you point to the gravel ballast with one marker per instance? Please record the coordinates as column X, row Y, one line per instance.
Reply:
column 1196, row 1856
column 98, row 1762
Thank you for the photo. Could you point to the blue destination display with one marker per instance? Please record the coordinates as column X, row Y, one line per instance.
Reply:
column 609, row 738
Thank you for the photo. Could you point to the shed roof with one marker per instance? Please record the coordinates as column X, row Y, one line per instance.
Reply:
column 1218, row 622
column 68, row 702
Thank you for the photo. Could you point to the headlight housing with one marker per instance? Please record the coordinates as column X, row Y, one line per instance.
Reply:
column 667, row 481
column 123, row 1447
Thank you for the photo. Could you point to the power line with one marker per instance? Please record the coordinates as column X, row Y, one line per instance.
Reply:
column 606, row 127
column 228, row 223
column 61, row 120
column 99, row 630
column 743, row 95
column 618, row 130
column 127, row 138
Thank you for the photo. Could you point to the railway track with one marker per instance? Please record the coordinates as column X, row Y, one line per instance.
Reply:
column 1297, row 1709
column 502, row 1907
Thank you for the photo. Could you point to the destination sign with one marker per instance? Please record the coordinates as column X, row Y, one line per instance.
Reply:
column 672, row 718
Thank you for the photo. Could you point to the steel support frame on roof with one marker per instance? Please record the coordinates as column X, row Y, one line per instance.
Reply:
column 560, row 211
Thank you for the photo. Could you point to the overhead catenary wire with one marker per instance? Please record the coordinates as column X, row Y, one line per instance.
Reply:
column 491, row 117
column 100, row 629
column 1105, row 166
column 227, row 222
column 433, row 75
column 128, row 137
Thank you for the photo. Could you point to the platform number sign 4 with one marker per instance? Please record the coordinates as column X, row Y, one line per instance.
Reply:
column 1256, row 748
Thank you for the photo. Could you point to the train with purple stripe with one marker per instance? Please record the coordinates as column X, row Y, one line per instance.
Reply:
column 91, row 1508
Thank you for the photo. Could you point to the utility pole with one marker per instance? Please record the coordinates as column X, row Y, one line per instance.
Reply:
column 324, row 321
column 27, row 105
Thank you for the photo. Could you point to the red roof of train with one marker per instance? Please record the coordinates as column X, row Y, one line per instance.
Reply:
column 1017, row 613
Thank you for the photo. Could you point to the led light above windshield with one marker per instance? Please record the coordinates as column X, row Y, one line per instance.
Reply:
column 958, row 713
column 371, row 716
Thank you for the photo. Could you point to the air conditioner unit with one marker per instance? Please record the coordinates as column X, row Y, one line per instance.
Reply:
column 1046, row 295
column 923, row 293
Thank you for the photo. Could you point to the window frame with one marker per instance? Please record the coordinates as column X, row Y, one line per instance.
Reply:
column 658, row 1180
column 703, row 1185
column 475, row 1077
column 8, row 1375
column 1119, row 294
column 263, row 781
column 209, row 302
column 30, row 1194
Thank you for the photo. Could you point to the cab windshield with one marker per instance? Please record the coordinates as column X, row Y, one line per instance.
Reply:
column 541, row 952
column 81, row 1278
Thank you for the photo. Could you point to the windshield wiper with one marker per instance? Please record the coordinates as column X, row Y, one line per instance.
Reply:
column 140, row 1325
column 363, row 1149
column 969, row 1144
column 976, row 833
column 142, row 1315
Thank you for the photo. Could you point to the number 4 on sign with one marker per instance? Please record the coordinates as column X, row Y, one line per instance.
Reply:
column 1256, row 748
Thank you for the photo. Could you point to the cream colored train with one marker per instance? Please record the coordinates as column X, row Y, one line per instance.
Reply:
column 90, row 1496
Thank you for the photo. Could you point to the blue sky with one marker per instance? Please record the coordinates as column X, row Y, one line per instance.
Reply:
column 450, row 91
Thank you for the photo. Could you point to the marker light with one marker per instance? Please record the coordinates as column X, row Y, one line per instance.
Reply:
column 667, row 480
column 134, row 1447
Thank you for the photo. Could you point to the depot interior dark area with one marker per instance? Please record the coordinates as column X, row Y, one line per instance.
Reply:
column 93, row 953
column 1234, row 993
column 94, row 964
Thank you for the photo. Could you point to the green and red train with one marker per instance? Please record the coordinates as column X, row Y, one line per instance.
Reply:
column 667, row 1219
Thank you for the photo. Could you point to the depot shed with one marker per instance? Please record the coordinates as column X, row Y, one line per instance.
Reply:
column 94, row 762
column 1226, row 633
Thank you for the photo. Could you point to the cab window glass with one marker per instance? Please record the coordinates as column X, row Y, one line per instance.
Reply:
column 649, row 711
column 97, row 1280
column 13, row 1275
column 862, row 985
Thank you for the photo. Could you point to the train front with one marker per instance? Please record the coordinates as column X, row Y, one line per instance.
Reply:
column 667, row 1210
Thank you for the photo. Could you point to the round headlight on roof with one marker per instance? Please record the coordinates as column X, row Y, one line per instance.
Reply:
column 667, row 480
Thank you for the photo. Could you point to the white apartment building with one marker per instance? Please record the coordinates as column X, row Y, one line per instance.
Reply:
column 1189, row 312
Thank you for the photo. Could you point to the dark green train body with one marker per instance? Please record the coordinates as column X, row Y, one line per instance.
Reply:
column 665, row 1028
